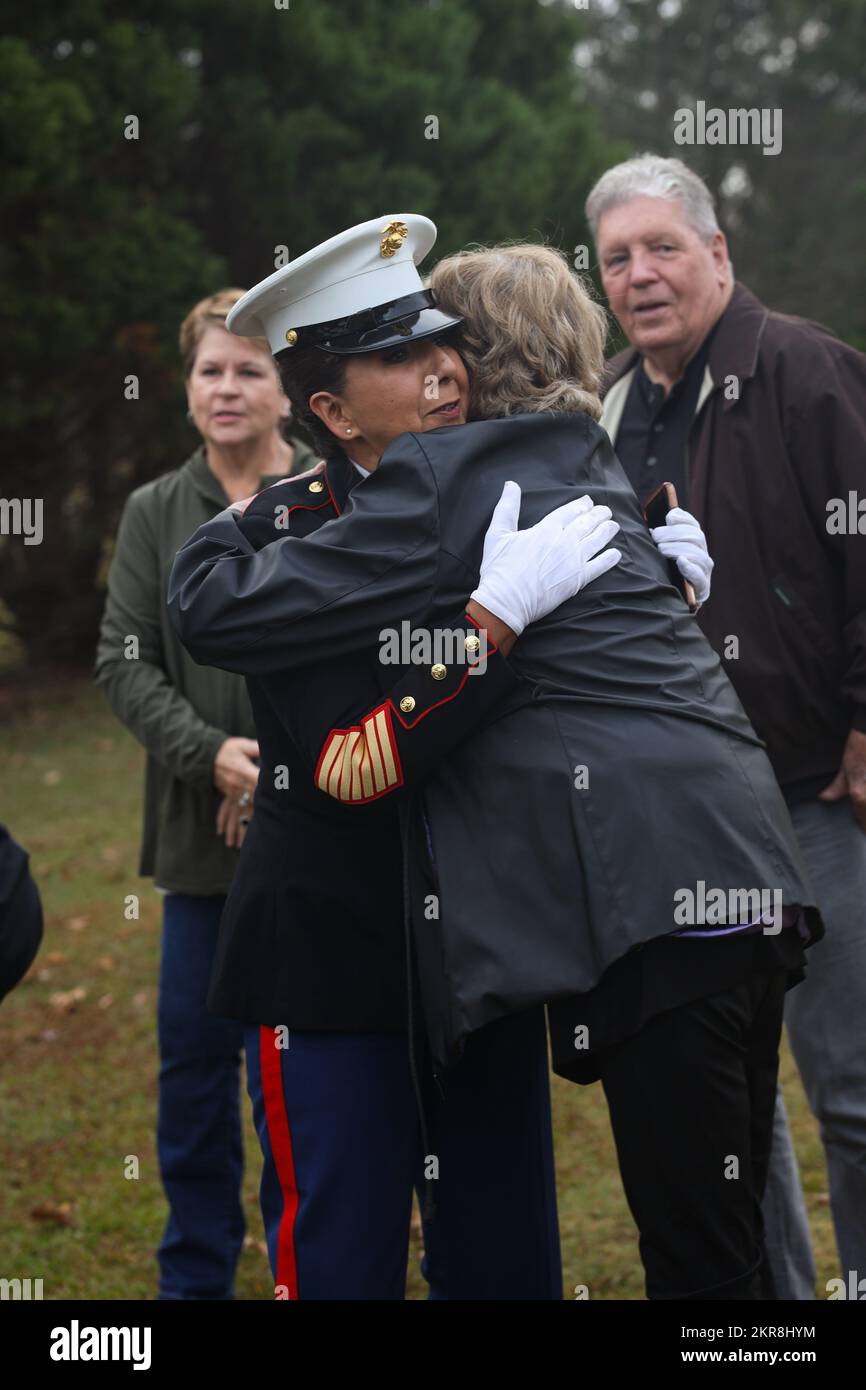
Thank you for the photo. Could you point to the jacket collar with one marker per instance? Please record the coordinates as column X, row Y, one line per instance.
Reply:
column 733, row 351
column 208, row 485
column 342, row 477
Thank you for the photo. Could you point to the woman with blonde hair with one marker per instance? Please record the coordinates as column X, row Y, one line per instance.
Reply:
column 548, row 854
column 532, row 336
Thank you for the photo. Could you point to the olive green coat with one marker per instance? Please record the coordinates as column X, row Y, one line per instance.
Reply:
column 181, row 712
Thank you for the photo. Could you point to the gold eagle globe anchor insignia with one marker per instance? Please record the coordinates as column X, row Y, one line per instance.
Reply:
column 393, row 236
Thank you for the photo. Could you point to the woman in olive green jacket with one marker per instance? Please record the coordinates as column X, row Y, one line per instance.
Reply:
column 197, row 728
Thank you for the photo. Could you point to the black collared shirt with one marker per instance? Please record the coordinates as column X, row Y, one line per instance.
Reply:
column 651, row 441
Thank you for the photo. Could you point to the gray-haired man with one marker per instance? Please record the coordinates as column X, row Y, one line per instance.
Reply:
column 760, row 421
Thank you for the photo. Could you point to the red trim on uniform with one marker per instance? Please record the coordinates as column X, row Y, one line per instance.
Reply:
column 387, row 708
column 280, row 1139
column 369, row 730
column 325, row 746
column 317, row 470
column 370, row 734
column 409, row 725
column 430, row 708
column 330, row 492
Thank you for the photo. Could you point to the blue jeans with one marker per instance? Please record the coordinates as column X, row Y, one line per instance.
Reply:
column 198, row 1137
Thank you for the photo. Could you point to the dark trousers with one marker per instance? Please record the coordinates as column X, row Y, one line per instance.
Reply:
column 199, row 1142
column 339, row 1127
column 691, row 1100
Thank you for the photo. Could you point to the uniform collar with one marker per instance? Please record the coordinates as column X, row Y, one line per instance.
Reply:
column 342, row 477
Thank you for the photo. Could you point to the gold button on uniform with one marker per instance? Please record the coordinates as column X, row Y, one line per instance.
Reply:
column 407, row 704
column 316, row 486
column 472, row 643
column 291, row 337
column 438, row 672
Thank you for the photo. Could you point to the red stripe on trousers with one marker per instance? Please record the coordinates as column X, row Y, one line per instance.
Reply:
column 280, row 1138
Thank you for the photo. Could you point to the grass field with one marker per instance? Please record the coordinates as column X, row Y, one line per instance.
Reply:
column 78, row 1047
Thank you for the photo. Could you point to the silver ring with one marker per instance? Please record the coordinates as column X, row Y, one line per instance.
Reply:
column 245, row 799
column 244, row 820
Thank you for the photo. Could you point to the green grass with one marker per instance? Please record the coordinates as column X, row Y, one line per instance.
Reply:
column 78, row 1087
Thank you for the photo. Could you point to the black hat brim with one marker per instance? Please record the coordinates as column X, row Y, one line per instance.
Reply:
column 423, row 324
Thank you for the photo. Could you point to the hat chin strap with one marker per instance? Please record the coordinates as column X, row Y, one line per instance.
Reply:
column 364, row 321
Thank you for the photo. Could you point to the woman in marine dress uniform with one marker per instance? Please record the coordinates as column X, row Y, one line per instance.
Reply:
column 526, row 883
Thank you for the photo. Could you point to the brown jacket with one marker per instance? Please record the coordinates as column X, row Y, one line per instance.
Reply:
column 776, row 456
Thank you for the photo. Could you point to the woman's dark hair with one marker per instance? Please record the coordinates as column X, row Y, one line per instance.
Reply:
column 303, row 374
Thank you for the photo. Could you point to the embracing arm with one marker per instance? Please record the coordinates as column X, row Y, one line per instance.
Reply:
column 324, row 596
column 456, row 677
column 397, row 740
column 302, row 600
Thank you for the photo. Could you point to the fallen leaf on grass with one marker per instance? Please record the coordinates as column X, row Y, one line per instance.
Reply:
column 58, row 1213
column 66, row 1001
column 105, row 1002
column 56, row 958
column 51, row 778
column 139, row 1000
column 110, row 855
column 105, row 962
column 76, row 923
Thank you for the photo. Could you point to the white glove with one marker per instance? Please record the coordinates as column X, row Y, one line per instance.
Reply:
column 682, row 539
column 526, row 574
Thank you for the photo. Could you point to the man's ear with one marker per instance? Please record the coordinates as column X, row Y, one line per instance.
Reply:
column 720, row 255
column 329, row 409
